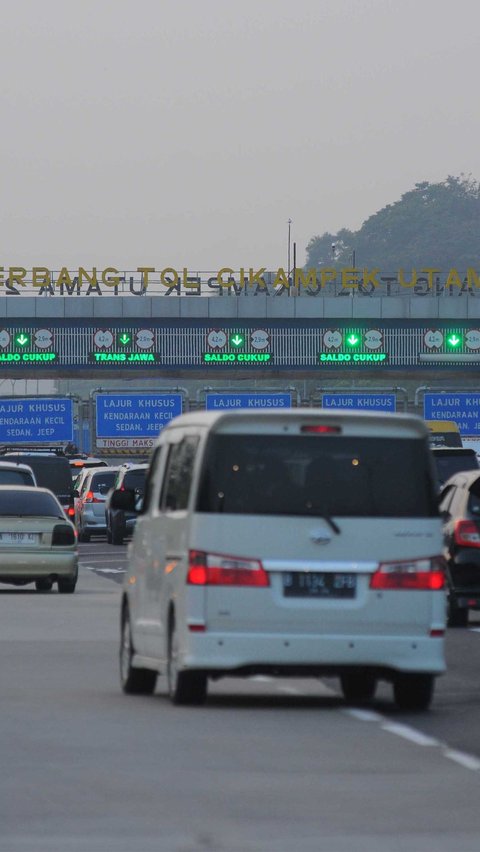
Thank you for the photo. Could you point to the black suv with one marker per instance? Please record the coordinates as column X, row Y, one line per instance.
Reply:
column 51, row 468
column 120, row 523
column 460, row 511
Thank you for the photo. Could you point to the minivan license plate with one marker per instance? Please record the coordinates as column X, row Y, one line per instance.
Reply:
column 319, row 584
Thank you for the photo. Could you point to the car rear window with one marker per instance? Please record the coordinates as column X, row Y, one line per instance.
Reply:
column 135, row 479
column 16, row 477
column 317, row 475
column 449, row 463
column 31, row 503
column 102, row 482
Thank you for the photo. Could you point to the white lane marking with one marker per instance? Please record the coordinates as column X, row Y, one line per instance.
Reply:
column 102, row 562
column 364, row 715
column 468, row 761
column 104, row 570
column 262, row 678
column 474, row 629
column 410, row 734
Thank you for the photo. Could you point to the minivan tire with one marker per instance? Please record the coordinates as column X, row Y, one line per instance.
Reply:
column 358, row 687
column 413, row 691
column 183, row 687
column 133, row 681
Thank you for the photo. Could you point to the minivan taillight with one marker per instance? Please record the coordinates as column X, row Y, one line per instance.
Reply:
column 419, row 574
column 90, row 498
column 214, row 569
column 466, row 534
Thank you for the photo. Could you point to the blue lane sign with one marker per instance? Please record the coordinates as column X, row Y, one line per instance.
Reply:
column 462, row 408
column 135, row 415
column 364, row 401
column 222, row 401
column 36, row 420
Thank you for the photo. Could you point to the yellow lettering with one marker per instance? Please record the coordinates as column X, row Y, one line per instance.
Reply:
column 281, row 278
column 256, row 277
column 404, row 283
column 110, row 280
column 349, row 278
column 430, row 273
column 220, row 281
column 91, row 278
column 16, row 275
column 369, row 277
column 472, row 277
column 453, row 279
column 307, row 279
column 167, row 282
column 41, row 276
column 327, row 275
column 63, row 278
column 145, row 270
column 2, row 273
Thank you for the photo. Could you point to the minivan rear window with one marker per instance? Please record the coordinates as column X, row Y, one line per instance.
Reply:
column 318, row 475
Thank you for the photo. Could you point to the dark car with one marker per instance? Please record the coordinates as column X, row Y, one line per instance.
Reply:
column 452, row 460
column 460, row 510
column 120, row 523
column 51, row 470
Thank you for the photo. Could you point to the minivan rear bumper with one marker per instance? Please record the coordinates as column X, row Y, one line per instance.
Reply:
column 224, row 653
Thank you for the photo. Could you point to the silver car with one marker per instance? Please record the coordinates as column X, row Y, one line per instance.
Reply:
column 90, row 501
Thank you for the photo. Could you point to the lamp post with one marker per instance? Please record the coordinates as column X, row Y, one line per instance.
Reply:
column 289, row 246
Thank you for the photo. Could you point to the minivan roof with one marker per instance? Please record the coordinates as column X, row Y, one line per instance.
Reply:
column 396, row 425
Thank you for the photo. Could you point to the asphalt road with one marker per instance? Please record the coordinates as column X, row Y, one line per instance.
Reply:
column 265, row 766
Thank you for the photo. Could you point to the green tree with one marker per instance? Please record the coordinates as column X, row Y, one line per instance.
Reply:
column 433, row 225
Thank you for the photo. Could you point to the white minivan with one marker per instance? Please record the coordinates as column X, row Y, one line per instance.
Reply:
column 287, row 543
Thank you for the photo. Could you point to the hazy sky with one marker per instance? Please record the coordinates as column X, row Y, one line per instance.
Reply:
column 187, row 132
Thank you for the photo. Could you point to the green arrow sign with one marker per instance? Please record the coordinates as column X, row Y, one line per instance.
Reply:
column 237, row 339
column 352, row 340
column 125, row 338
column 22, row 339
column 453, row 340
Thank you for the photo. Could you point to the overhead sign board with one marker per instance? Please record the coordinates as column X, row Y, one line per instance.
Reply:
column 36, row 420
column 362, row 401
column 133, row 417
column 461, row 408
column 223, row 401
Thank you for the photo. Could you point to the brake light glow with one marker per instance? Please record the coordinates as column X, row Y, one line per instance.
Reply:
column 419, row 574
column 214, row 569
column 90, row 498
column 321, row 430
column 466, row 533
column 71, row 512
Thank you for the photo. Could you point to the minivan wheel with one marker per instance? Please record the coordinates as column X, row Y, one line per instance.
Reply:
column 358, row 687
column 413, row 691
column 133, row 681
column 456, row 616
column 116, row 536
column 183, row 687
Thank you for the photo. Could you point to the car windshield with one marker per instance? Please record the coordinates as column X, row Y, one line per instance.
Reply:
column 318, row 476
column 31, row 503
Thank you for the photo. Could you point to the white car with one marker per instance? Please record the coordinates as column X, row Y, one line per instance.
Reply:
column 286, row 543
column 12, row 473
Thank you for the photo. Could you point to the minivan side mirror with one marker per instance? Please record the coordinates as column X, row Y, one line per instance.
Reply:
column 125, row 500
